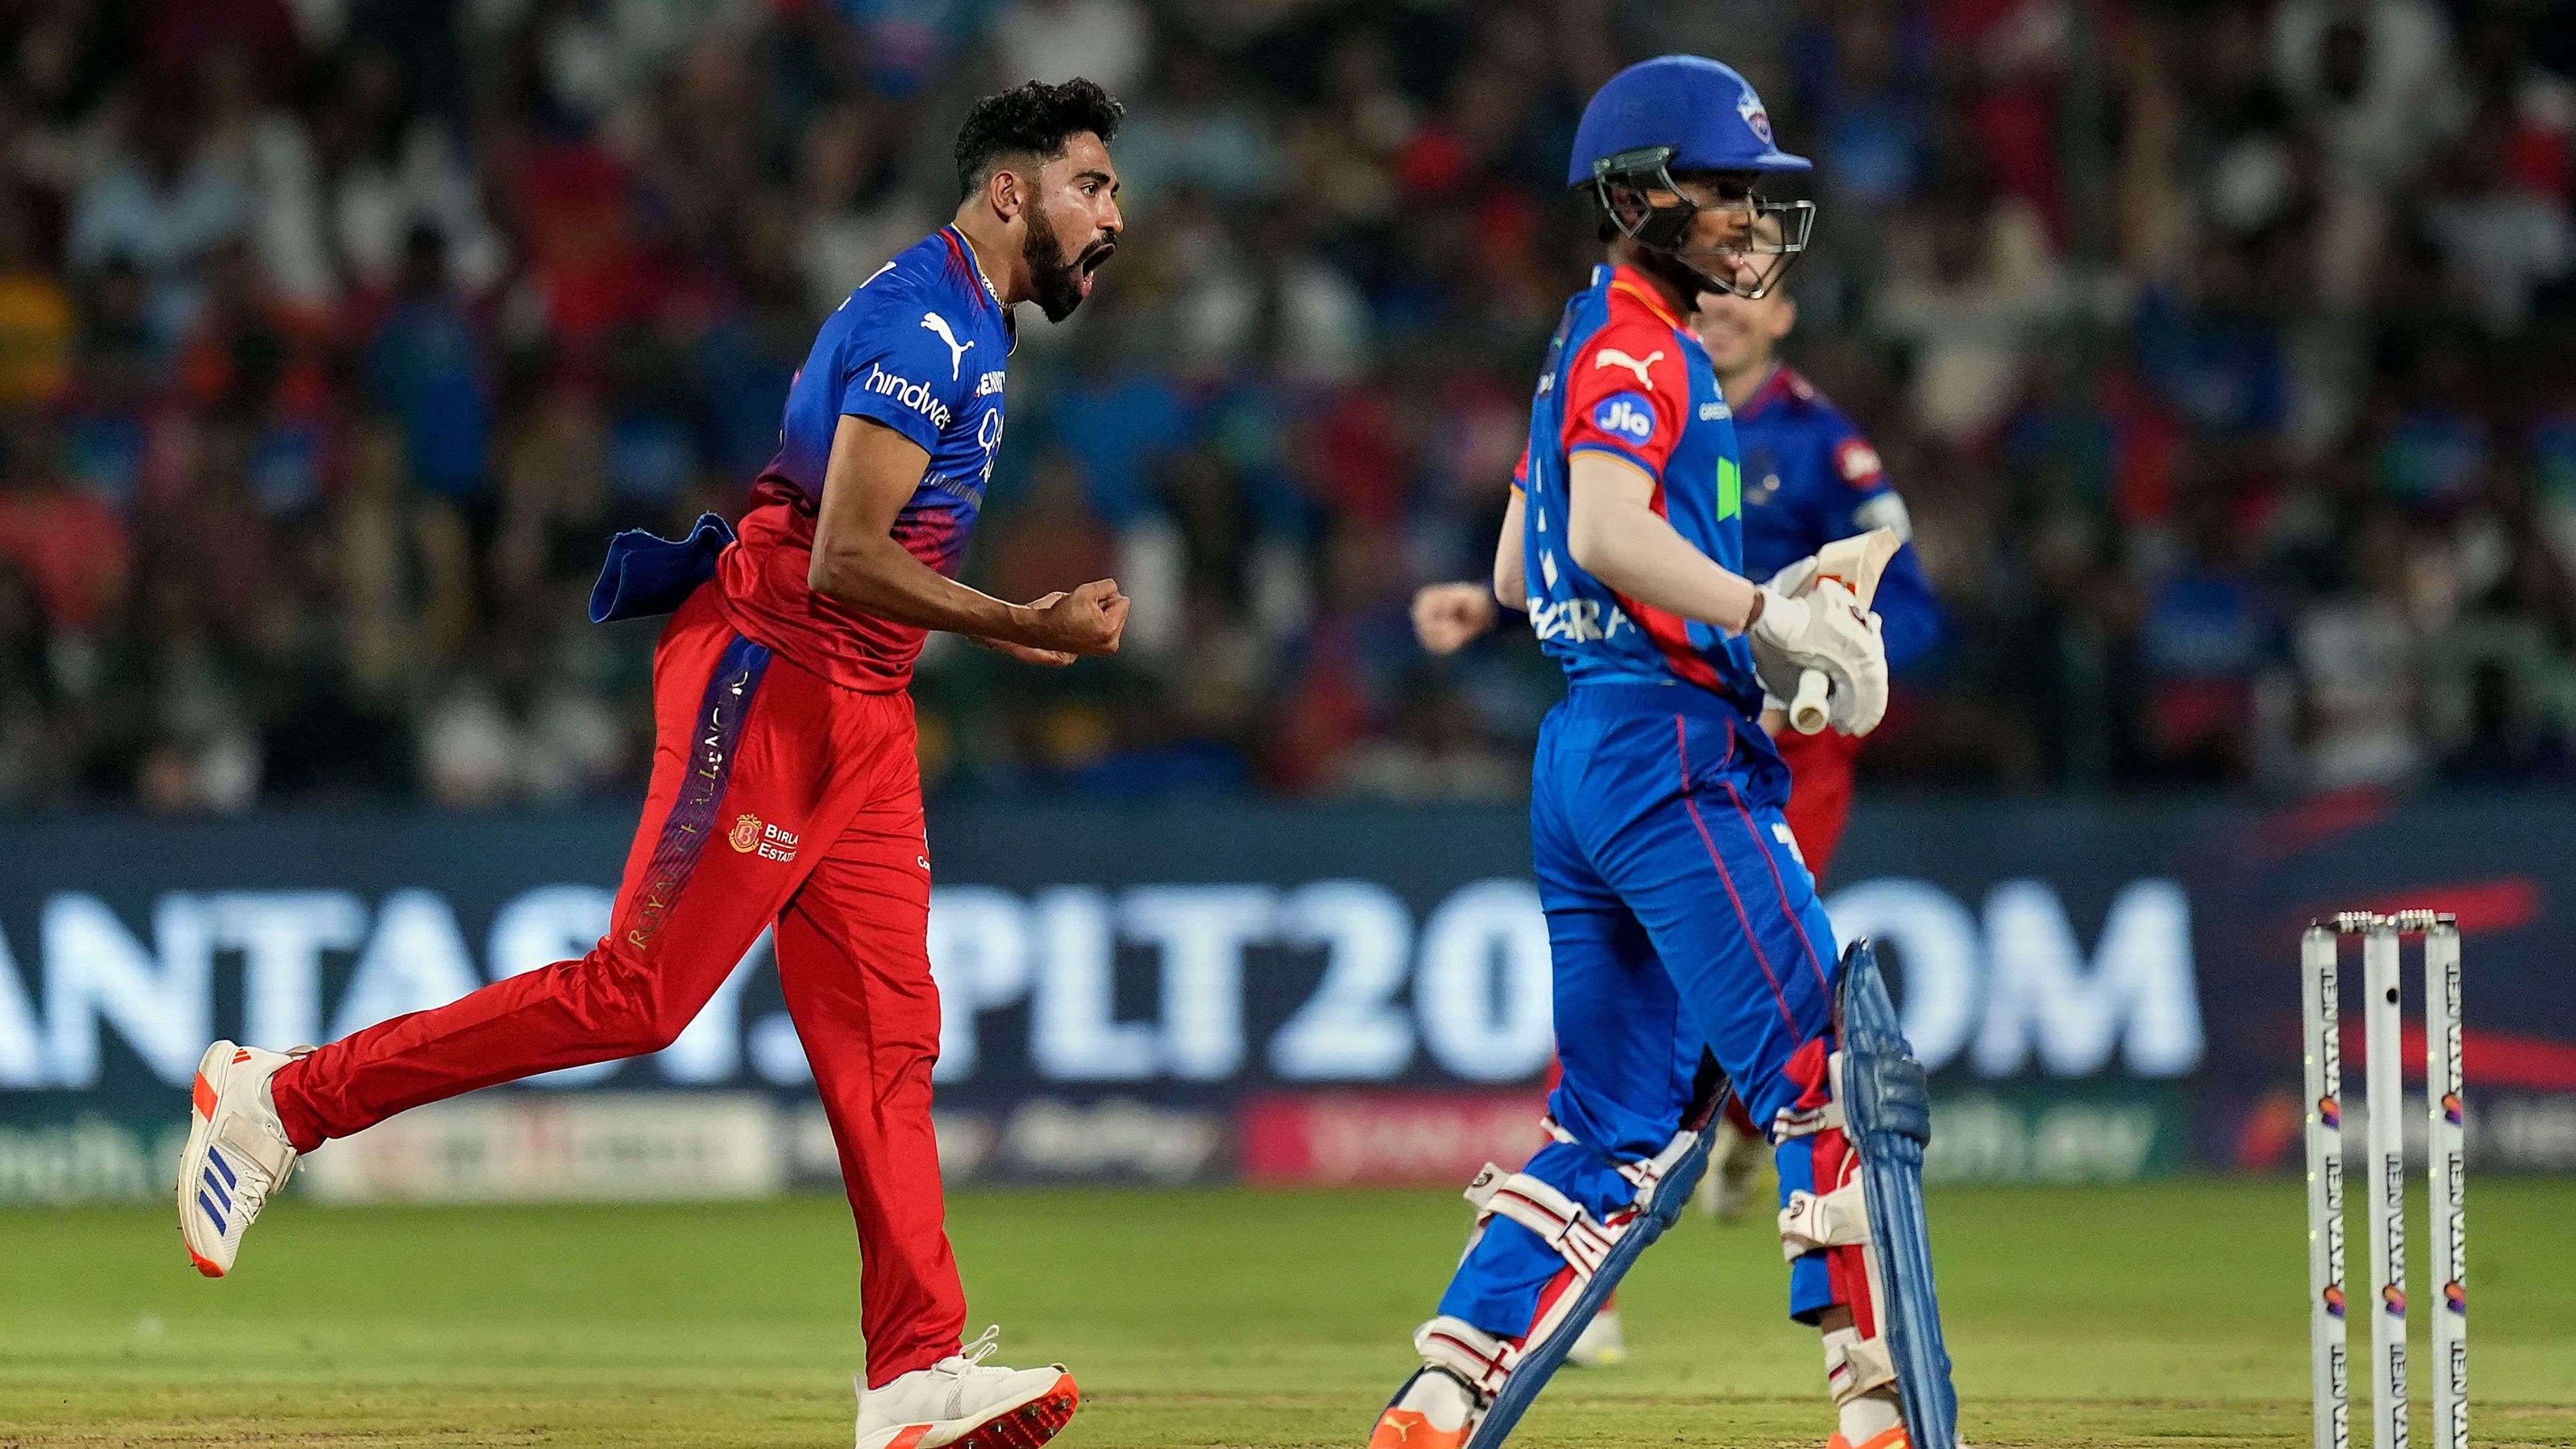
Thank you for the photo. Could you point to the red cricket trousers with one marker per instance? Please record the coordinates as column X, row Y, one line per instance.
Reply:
column 1821, row 767
column 778, row 798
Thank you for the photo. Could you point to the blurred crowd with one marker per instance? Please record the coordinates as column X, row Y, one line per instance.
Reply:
column 2222, row 349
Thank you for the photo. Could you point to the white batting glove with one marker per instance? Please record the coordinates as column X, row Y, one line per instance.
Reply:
column 1796, row 579
column 1828, row 631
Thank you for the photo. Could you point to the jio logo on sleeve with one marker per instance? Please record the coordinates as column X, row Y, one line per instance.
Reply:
column 1625, row 415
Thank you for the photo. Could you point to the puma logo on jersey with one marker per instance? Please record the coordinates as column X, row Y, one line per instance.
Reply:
column 1613, row 357
column 957, row 349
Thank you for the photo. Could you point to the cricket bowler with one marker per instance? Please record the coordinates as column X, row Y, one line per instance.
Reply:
column 1691, row 956
column 785, row 792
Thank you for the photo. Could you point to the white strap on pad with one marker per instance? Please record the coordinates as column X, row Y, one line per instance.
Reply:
column 1471, row 1353
column 1559, row 1221
column 1645, row 1176
column 1837, row 1219
column 1794, row 1122
column 1855, row 1366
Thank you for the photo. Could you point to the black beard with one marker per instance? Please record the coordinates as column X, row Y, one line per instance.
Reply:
column 1058, row 282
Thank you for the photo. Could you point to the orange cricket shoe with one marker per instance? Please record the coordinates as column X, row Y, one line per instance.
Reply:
column 1409, row 1429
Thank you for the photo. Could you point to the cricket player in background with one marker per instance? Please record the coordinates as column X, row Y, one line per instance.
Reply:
column 785, row 791
column 1809, row 478
column 1690, row 954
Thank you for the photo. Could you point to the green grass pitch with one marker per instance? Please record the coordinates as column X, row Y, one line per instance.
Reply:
column 2142, row 1315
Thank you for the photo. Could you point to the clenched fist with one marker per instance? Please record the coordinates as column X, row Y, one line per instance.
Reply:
column 1446, row 617
column 1088, row 620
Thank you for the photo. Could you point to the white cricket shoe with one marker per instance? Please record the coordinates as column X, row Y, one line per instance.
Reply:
column 1434, row 1410
column 237, row 1152
column 1601, row 1344
column 961, row 1402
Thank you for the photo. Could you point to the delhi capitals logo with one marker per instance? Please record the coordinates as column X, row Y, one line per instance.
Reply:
column 1749, row 106
column 1625, row 415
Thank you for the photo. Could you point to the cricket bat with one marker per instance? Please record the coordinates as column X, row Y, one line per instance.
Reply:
column 1855, row 563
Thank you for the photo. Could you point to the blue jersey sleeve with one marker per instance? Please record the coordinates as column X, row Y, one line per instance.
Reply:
column 1861, row 499
column 905, row 365
column 1909, row 618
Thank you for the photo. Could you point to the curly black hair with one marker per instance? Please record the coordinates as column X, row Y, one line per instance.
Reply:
column 1035, row 119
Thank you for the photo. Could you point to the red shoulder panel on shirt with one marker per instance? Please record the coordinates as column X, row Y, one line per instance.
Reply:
column 1628, row 389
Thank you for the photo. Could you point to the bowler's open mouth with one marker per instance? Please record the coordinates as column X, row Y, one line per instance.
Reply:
column 1092, row 261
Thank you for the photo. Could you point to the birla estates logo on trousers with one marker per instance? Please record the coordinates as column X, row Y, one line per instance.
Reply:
column 750, row 834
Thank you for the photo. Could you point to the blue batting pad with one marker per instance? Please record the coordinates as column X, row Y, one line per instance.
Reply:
column 1537, row 1366
column 1887, row 1111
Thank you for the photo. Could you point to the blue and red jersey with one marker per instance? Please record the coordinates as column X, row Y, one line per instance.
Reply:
column 920, row 347
column 1811, row 478
column 1625, row 376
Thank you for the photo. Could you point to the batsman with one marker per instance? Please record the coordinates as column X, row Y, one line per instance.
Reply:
column 1691, row 956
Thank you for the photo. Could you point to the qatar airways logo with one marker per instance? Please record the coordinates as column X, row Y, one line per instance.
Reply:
column 914, row 395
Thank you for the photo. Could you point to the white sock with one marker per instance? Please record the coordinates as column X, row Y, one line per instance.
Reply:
column 1867, row 1415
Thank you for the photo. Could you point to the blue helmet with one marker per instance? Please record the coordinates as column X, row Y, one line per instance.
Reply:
column 1679, row 115
column 1706, row 112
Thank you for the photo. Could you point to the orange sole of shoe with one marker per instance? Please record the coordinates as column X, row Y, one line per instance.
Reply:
column 1406, row 1429
column 1031, row 1424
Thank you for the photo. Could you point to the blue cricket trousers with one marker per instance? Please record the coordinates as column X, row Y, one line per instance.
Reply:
column 1681, row 920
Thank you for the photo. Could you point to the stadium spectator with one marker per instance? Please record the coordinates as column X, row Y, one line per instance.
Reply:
column 36, row 318
column 2225, row 345
column 161, row 202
